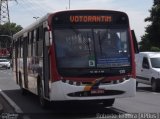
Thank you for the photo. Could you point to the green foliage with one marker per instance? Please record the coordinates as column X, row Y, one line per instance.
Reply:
column 145, row 43
column 155, row 49
column 6, row 32
column 152, row 35
column 9, row 28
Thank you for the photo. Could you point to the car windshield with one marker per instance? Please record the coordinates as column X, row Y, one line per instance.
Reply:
column 155, row 62
column 86, row 48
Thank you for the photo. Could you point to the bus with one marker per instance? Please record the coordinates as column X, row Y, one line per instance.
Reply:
column 76, row 55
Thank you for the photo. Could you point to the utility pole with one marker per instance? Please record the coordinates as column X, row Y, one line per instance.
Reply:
column 69, row 4
column 5, row 18
column 4, row 11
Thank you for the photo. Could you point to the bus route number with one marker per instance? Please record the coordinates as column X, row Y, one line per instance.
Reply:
column 122, row 71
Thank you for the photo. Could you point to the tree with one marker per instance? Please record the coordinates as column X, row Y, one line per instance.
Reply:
column 6, row 32
column 8, row 29
column 152, row 35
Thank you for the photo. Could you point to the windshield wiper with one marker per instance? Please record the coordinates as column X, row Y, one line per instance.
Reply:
column 100, row 44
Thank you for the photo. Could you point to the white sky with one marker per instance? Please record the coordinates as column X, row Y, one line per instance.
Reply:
column 137, row 10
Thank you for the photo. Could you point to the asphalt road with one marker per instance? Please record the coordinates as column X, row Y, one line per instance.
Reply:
column 29, row 104
column 145, row 101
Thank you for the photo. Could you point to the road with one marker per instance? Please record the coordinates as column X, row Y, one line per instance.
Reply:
column 144, row 101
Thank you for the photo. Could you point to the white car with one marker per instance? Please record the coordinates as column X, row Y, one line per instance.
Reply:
column 148, row 69
column 4, row 63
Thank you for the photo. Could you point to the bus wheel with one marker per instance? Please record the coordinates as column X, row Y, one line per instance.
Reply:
column 42, row 100
column 154, row 85
column 108, row 102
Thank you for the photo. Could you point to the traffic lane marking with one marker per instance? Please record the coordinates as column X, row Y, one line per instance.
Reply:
column 13, row 104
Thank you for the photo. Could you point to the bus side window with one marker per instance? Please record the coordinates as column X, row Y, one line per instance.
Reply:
column 40, row 41
column 29, row 45
column 34, row 43
column 16, row 48
column 34, row 35
column 37, row 34
column 37, row 40
column 40, row 33
column 18, row 45
column 21, row 47
column 26, row 42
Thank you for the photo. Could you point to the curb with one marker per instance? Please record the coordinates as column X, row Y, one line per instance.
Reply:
column 1, row 108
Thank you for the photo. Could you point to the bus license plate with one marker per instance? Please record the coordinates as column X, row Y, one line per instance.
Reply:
column 98, row 91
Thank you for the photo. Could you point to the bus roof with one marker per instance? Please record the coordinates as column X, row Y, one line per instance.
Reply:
column 40, row 21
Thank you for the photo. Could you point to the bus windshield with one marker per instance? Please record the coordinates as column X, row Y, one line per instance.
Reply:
column 92, row 48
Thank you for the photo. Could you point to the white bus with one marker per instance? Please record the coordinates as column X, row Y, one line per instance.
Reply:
column 76, row 55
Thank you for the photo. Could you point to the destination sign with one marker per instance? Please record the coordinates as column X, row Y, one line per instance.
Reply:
column 86, row 18
column 94, row 19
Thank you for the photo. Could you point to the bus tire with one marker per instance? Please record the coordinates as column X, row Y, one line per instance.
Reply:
column 108, row 102
column 43, row 102
column 23, row 91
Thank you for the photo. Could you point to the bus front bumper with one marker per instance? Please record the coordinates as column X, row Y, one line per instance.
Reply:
column 60, row 91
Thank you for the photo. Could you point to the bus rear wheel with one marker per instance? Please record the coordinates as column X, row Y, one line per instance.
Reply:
column 108, row 102
column 43, row 102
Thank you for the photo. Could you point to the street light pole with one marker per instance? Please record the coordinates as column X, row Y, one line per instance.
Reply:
column 36, row 18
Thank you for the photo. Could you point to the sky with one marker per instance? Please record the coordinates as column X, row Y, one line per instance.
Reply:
column 137, row 10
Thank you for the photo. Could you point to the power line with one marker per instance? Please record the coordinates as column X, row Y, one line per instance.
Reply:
column 41, row 7
column 30, row 8
column 35, row 8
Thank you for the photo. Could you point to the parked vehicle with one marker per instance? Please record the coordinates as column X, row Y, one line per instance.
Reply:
column 4, row 63
column 148, row 69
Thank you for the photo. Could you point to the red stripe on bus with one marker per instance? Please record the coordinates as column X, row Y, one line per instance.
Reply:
column 54, row 73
